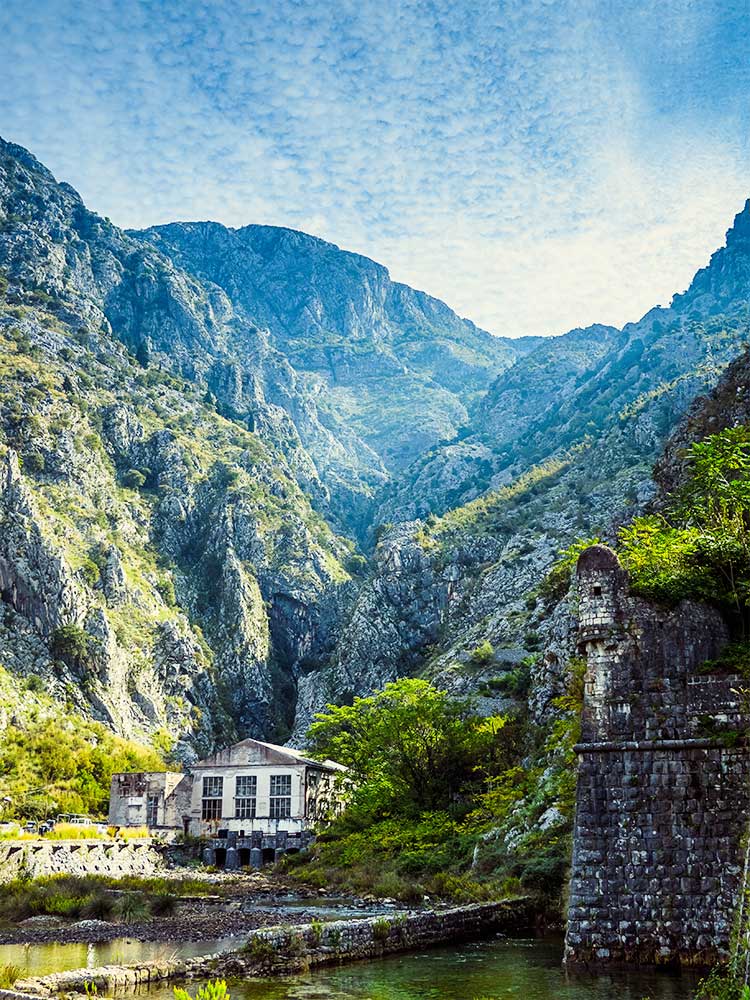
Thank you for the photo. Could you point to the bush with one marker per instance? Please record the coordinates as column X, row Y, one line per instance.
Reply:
column 71, row 644
column 483, row 655
column 133, row 908
column 33, row 463
column 9, row 975
column 133, row 479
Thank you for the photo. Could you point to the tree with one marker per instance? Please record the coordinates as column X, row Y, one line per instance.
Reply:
column 410, row 748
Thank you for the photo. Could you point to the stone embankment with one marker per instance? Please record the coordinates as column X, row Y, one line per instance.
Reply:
column 288, row 949
column 115, row 858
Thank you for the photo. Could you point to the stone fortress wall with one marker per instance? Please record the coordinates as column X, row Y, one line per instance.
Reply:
column 663, row 793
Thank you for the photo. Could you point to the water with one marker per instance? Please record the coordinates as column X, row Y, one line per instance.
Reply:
column 499, row 969
column 42, row 959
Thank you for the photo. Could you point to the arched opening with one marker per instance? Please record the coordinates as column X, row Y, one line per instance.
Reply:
column 269, row 856
column 292, row 850
column 221, row 857
column 244, row 856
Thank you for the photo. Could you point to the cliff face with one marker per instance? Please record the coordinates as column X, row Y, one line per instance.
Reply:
column 197, row 423
column 393, row 365
column 160, row 562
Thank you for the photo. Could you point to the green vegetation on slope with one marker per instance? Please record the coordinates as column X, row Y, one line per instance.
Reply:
column 53, row 760
column 700, row 546
column 437, row 789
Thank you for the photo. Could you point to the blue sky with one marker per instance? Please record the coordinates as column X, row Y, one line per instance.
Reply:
column 538, row 165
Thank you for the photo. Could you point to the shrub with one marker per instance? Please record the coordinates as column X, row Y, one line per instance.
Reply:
column 9, row 974
column 133, row 908
column 261, row 950
column 381, row 929
column 483, row 655
column 90, row 572
column 71, row 644
column 33, row 462
column 133, row 479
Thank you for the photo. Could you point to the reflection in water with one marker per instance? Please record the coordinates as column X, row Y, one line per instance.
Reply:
column 498, row 969
column 41, row 959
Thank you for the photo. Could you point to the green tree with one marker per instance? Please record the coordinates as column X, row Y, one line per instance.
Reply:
column 410, row 748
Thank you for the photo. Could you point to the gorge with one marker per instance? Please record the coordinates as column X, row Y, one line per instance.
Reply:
column 246, row 474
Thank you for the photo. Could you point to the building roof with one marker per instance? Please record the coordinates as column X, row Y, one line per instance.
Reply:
column 292, row 755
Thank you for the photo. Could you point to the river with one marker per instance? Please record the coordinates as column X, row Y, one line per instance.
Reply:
column 496, row 969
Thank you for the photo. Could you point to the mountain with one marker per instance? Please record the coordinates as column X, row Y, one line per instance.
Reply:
column 243, row 472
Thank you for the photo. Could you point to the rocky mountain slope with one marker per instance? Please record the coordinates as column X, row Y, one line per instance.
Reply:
column 397, row 367
column 198, row 425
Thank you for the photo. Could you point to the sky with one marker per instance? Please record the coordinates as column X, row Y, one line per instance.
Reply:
column 538, row 165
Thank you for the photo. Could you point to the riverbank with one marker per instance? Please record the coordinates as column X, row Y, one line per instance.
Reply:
column 286, row 949
column 183, row 906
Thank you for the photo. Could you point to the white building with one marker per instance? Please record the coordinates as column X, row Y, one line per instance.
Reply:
column 253, row 801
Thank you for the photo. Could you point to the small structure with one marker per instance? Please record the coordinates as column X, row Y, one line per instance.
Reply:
column 253, row 801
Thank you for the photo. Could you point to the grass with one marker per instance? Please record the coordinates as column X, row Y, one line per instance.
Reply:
column 9, row 975
column 130, row 900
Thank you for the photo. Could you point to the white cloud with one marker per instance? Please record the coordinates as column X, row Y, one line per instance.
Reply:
column 527, row 162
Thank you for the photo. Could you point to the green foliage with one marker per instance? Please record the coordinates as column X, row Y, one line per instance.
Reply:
column 133, row 479
column 419, row 759
column 723, row 983
column 410, row 747
column 95, row 897
column 701, row 547
column 215, row 989
column 33, row 463
column 260, row 949
column 71, row 644
column 64, row 763
column 381, row 929
column 9, row 975
column 483, row 655
column 555, row 584
column 90, row 572
column 133, row 908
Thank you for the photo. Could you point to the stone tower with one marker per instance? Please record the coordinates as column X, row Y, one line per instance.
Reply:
column 663, row 779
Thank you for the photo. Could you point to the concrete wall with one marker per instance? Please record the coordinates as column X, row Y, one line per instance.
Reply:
column 663, row 780
column 78, row 857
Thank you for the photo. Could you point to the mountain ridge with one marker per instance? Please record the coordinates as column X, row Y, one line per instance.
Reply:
column 198, row 484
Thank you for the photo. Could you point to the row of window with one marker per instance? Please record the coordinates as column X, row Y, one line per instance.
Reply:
column 245, row 796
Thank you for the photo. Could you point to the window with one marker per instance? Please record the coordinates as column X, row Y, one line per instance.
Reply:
column 152, row 810
column 281, row 796
column 213, row 790
column 597, row 591
column 245, row 790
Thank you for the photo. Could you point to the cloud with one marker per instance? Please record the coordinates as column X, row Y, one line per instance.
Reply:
column 537, row 165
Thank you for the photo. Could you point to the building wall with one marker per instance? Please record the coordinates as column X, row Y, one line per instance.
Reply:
column 663, row 783
column 130, row 795
column 262, row 820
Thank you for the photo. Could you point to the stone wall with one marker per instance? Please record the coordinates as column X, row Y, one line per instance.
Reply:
column 79, row 857
column 286, row 949
column 663, row 780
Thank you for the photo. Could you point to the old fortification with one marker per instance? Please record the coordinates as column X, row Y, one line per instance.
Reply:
column 663, row 779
